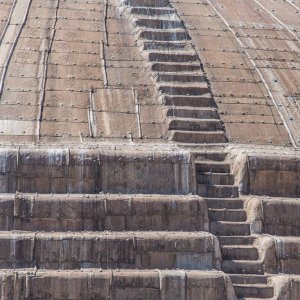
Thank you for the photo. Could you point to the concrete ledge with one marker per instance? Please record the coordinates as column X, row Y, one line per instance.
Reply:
column 112, row 284
column 266, row 172
column 73, row 212
column 136, row 169
column 66, row 250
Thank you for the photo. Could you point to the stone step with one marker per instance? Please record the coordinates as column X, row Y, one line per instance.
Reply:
column 158, row 23
column 209, row 155
column 217, row 191
column 193, row 101
column 193, row 124
column 166, row 46
column 212, row 166
column 102, row 284
column 248, row 279
column 242, row 267
column 200, row 88
column 193, row 112
column 158, row 35
column 175, row 67
column 215, row 178
column 177, row 77
column 200, row 137
column 153, row 11
column 236, row 240
column 147, row 3
column 239, row 252
column 260, row 291
column 126, row 250
column 175, row 56
column 57, row 212
column 229, row 228
column 229, row 215
column 224, row 203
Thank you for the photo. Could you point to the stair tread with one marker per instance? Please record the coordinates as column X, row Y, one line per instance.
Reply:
column 192, row 119
column 254, row 285
column 238, row 246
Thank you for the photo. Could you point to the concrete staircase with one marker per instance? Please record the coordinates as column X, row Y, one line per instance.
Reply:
column 192, row 115
column 228, row 221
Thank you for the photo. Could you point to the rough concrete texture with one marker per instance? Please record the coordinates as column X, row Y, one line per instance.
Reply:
column 106, row 284
column 144, row 141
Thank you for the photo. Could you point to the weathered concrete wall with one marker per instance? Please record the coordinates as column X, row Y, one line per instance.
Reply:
column 66, row 250
column 267, row 171
column 65, row 170
column 32, row 212
column 121, row 285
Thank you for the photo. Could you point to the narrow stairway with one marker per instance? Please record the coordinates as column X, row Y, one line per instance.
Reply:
column 192, row 114
column 228, row 221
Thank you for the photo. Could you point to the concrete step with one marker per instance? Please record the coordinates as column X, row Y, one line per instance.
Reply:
column 193, row 124
column 75, row 212
column 248, row 279
column 212, row 166
column 175, row 67
column 224, row 203
column 260, row 291
column 242, row 267
column 175, row 56
column 125, row 284
column 215, row 178
column 230, row 228
column 239, row 252
column 177, row 77
column 200, row 88
column 229, row 215
column 147, row 3
column 210, row 155
column 163, row 35
column 193, row 112
column 236, row 240
column 126, row 250
column 153, row 11
column 158, row 23
column 193, row 101
column 166, row 46
column 200, row 137
column 217, row 191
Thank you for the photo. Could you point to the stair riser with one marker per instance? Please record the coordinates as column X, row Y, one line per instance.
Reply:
column 169, row 46
column 226, row 215
column 236, row 240
column 163, row 57
column 214, row 168
column 229, row 229
column 147, row 3
column 164, row 67
column 148, row 11
column 253, row 291
column 215, row 179
column 163, row 36
column 187, row 91
column 192, row 113
column 189, row 101
column 194, row 126
column 217, row 191
column 249, row 279
column 242, row 268
column 225, row 203
column 158, row 24
column 198, row 138
column 180, row 78
column 239, row 253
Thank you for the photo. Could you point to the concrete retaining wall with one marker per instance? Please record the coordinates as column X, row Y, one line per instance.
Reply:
column 64, row 170
column 121, row 285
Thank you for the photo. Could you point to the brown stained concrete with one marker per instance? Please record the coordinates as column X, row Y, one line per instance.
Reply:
column 105, row 284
